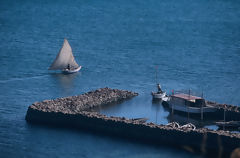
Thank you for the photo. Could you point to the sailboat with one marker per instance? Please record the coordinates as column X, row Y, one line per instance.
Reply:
column 65, row 60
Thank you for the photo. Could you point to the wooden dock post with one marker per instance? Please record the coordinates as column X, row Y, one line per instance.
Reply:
column 172, row 109
column 224, row 116
column 187, row 107
column 202, row 108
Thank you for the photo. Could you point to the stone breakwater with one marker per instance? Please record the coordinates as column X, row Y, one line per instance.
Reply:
column 73, row 112
column 76, row 104
column 232, row 112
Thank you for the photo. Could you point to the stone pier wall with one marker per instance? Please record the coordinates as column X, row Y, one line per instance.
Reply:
column 73, row 112
column 232, row 112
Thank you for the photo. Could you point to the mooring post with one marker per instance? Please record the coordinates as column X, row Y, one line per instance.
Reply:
column 156, row 115
column 187, row 108
column 202, row 108
column 189, row 93
column 172, row 109
column 202, row 111
column 156, row 74
column 224, row 118
column 224, row 115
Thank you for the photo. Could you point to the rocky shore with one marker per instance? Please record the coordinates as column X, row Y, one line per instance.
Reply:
column 73, row 112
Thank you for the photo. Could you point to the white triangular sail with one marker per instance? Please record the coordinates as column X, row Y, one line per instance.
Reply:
column 64, row 58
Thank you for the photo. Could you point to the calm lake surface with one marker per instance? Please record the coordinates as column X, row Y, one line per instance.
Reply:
column 195, row 43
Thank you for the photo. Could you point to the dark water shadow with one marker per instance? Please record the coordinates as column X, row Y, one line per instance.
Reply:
column 111, row 138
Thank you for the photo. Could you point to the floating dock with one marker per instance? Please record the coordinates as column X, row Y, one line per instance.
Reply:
column 75, row 112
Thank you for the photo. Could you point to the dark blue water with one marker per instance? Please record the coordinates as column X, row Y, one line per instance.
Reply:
column 195, row 43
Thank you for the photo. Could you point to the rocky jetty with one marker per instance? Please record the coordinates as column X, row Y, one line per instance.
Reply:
column 232, row 112
column 74, row 112
column 76, row 104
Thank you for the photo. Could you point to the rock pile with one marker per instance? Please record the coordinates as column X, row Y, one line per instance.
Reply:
column 226, row 107
column 76, row 104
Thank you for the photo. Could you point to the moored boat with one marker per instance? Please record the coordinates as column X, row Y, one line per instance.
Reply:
column 189, row 104
column 159, row 94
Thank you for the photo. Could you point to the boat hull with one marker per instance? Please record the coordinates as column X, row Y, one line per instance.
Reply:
column 196, row 110
column 158, row 95
column 72, row 71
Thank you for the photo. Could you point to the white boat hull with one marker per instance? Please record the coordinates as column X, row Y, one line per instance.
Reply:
column 189, row 109
column 158, row 95
column 72, row 71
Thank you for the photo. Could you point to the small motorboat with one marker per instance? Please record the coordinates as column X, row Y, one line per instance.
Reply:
column 65, row 60
column 159, row 94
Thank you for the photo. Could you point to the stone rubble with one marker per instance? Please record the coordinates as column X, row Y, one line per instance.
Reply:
column 76, row 104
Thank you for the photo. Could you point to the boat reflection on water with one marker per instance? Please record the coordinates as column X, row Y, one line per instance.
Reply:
column 156, row 105
column 64, row 81
column 185, row 118
column 182, row 118
column 156, row 102
column 160, row 113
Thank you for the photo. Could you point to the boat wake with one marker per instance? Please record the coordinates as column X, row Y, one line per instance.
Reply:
column 24, row 78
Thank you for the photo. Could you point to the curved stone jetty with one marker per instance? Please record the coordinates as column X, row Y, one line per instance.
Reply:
column 74, row 112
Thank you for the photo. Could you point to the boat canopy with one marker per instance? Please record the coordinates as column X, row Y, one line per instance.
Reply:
column 186, row 96
column 64, row 58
